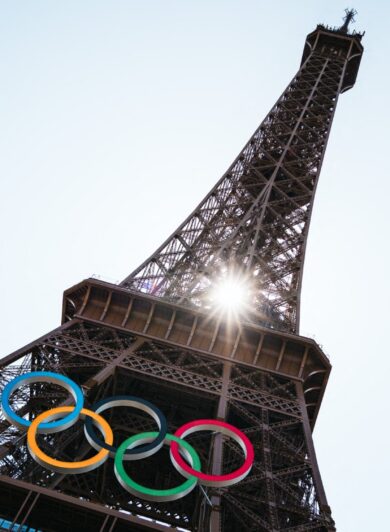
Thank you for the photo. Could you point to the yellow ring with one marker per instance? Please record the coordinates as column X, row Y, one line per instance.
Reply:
column 69, row 467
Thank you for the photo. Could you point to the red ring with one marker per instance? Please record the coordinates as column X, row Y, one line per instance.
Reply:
column 225, row 428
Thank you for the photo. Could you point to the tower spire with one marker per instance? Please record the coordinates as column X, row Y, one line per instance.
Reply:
column 252, row 227
column 348, row 19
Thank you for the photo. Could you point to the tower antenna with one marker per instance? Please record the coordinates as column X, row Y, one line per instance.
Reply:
column 349, row 17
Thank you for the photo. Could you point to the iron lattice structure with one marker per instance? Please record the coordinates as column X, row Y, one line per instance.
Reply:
column 154, row 336
column 256, row 218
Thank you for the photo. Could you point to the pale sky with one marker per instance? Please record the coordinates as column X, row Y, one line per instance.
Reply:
column 117, row 117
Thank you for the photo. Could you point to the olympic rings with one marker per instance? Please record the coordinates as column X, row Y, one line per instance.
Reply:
column 186, row 461
column 225, row 428
column 150, row 494
column 68, row 467
column 127, row 400
column 44, row 376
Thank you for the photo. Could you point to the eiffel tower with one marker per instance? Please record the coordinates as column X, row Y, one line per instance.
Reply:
column 207, row 327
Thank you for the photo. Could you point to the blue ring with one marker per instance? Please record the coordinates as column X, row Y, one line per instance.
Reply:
column 142, row 451
column 44, row 376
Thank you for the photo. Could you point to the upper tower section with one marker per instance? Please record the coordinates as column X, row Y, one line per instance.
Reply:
column 339, row 42
column 242, row 248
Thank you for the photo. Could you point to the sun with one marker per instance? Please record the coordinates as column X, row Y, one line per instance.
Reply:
column 231, row 295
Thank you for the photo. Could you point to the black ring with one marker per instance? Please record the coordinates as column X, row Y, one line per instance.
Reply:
column 137, row 453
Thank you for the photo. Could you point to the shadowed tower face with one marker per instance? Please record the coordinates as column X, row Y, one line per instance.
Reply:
column 205, row 328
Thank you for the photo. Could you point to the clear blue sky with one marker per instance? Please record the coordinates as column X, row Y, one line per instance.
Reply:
column 118, row 116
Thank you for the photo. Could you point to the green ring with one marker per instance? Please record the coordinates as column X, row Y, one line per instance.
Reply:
column 150, row 494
